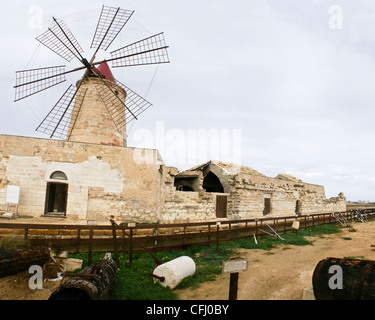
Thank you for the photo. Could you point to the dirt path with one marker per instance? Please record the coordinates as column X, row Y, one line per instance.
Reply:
column 284, row 272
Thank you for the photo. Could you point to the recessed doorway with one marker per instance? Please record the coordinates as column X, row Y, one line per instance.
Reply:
column 56, row 199
column 56, row 195
column 221, row 206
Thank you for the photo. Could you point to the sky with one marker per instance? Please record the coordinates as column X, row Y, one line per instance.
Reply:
column 281, row 86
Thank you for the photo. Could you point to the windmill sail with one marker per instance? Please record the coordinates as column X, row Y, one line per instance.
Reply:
column 29, row 82
column 60, row 40
column 111, row 22
column 151, row 50
column 61, row 119
column 134, row 102
column 115, row 106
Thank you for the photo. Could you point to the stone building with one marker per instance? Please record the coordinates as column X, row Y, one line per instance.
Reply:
column 94, row 175
column 228, row 191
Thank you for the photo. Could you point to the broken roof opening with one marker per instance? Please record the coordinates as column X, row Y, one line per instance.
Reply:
column 211, row 183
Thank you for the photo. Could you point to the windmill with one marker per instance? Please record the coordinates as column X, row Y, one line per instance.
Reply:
column 119, row 104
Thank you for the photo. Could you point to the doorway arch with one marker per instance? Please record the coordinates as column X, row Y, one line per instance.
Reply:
column 56, row 195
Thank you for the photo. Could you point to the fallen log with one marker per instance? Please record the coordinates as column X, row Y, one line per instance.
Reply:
column 18, row 260
column 92, row 283
column 348, row 279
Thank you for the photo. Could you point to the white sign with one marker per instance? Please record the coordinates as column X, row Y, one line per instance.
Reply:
column 235, row 265
column 295, row 225
column 131, row 224
column 13, row 194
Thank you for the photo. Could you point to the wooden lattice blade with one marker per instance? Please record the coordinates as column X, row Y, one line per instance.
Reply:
column 152, row 50
column 111, row 22
column 115, row 106
column 32, row 81
column 61, row 119
column 60, row 40
column 134, row 103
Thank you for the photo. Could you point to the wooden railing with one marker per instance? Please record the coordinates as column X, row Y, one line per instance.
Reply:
column 135, row 238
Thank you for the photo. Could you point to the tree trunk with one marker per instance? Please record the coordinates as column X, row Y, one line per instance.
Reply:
column 14, row 261
column 348, row 279
column 92, row 283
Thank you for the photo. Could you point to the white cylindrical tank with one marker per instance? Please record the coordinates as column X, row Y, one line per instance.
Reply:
column 175, row 271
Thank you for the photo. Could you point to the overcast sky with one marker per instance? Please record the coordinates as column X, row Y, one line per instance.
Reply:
column 282, row 86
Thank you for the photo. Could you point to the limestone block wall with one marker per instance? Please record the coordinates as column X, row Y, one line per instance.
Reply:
column 183, row 206
column 247, row 193
column 102, row 180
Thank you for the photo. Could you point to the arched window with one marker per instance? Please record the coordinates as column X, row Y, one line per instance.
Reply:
column 58, row 175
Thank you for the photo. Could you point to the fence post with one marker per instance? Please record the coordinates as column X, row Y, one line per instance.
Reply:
column 217, row 236
column 89, row 259
column 184, row 242
column 123, row 241
column 209, row 234
column 131, row 247
column 78, row 240
column 115, row 242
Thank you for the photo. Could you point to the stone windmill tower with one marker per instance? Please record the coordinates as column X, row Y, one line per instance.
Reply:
column 98, row 107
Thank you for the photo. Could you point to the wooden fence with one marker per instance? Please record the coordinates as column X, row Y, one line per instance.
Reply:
column 134, row 238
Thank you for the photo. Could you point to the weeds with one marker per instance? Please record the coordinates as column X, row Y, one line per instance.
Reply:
column 12, row 242
column 135, row 283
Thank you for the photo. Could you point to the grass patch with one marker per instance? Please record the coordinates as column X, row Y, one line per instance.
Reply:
column 135, row 283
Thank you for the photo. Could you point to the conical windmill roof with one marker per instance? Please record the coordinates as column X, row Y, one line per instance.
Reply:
column 106, row 71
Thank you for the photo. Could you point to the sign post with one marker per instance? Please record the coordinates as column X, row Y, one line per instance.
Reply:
column 12, row 197
column 295, row 226
column 234, row 266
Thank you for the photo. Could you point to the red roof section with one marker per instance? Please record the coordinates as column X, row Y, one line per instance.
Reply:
column 106, row 72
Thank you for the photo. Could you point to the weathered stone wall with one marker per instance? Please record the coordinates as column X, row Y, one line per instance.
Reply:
column 133, row 184
column 248, row 192
column 103, row 180
column 183, row 206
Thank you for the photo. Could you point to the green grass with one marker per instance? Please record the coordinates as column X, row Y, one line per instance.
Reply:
column 135, row 283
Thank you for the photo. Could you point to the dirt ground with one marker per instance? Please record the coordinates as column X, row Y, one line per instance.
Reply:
column 279, row 274
column 284, row 272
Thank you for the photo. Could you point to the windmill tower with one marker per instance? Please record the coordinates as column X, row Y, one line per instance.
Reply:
column 97, row 108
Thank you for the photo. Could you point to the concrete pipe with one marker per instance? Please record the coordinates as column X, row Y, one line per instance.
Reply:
column 171, row 273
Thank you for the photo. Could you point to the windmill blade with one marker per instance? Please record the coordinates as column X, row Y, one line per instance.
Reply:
column 115, row 106
column 134, row 102
column 29, row 82
column 111, row 22
column 60, row 40
column 61, row 119
column 151, row 50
